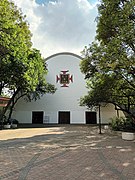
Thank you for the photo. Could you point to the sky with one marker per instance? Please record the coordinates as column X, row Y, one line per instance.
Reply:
column 60, row 25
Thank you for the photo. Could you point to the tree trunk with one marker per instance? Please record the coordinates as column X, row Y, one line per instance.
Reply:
column 126, row 111
column 9, row 103
column 14, row 101
column 1, row 87
column 11, row 110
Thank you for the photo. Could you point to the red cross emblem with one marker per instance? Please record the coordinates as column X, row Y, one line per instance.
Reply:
column 64, row 78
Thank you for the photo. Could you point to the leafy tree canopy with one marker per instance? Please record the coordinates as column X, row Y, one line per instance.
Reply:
column 15, row 43
column 109, row 62
column 22, row 69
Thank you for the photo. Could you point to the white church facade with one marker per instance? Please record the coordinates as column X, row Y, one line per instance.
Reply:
column 62, row 107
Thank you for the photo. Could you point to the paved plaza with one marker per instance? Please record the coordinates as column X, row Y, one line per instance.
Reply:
column 70, row 152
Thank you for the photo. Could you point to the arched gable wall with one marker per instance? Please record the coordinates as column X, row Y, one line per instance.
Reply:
column 67, row 96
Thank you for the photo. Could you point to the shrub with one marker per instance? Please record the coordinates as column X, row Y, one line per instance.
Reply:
column 4, row 119
column 116, row 123
column 123, row 124
column 13, row 121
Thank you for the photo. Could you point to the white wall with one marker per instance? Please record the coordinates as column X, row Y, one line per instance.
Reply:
column 65, row 98
column 108, row 112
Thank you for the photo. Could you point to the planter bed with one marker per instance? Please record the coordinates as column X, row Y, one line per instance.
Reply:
column 128, row 136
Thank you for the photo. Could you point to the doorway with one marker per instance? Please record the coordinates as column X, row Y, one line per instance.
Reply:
column 37, row 117
column 64, row 117
column 91, row 117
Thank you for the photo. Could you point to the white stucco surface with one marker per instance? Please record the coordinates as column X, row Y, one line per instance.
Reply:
column 65, row 98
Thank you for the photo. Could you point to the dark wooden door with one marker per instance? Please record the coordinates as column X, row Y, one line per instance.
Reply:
column 64, row 117
column 37, row 117
column 91, row 118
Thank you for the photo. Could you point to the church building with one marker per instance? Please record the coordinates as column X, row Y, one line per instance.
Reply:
column 62, row 107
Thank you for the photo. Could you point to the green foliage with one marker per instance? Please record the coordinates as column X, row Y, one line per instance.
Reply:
column 13, row 121
column 41, row 89
column 109, row 62
column 15, row 43
column 123, row 124
column 35, row 72
column 4, row 120
column 116, row 123
column 116, row 22
column 22, row 69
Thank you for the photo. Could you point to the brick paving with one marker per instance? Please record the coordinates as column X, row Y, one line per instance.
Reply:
column 68, row 152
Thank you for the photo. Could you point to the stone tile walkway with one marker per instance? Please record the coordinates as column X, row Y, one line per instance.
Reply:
column 68, row 152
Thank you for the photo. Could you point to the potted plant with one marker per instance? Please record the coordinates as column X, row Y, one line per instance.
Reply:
column 128, row 129
column 128, row 136
column 6, row 123
column 14, row 123
column 126, row 125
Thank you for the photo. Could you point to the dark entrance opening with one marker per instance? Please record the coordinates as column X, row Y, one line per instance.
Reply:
column 64, row 117
column 37, row 117
column 91, row 118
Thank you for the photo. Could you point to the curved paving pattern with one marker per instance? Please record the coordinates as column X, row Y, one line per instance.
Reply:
column 65, row 153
